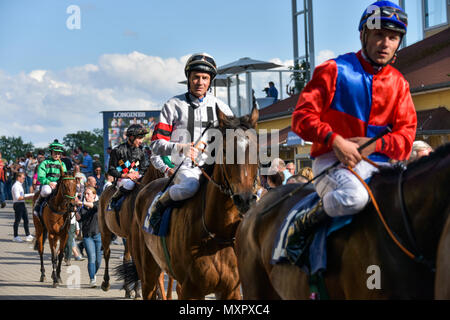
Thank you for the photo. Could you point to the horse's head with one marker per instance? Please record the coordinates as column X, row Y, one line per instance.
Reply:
column 239, row 160
column 67, row 189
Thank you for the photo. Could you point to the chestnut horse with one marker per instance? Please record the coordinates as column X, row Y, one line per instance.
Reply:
column 55, row 222
column 109, row 224
column 200, row 241
column 362, row 244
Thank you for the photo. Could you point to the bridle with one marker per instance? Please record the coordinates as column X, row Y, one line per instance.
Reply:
column 65, row 197
column 225, row 189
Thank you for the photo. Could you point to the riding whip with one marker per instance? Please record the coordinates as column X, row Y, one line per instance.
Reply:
column 325, row 171
column 210, row 123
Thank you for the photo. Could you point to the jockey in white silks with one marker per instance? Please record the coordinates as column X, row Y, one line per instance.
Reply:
column 182, row 121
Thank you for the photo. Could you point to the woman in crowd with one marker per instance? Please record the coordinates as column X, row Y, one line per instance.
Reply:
column 91, row 234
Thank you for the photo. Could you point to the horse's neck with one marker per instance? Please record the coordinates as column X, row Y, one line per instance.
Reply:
column 426, row 198
column 56, row 200
column 220, row 212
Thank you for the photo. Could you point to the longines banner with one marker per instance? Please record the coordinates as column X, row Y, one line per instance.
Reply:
column 115, row 124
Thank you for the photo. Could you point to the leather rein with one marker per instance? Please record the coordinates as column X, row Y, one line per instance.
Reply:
column 415, row 254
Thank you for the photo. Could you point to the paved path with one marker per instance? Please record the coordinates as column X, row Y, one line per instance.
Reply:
column 20, row 268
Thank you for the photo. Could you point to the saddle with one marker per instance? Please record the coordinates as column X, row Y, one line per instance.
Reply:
column 311, row 257
column 159, row 226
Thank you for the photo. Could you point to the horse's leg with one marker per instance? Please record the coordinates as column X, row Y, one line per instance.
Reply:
column 39, row 244
column 150, row 274
column 106, row 241
column 52, row 242
column 169, row 288
column 190, row 291
column 161, row 290
column 62, row 245
column 133, row 243
column 126, row 259
column 128, row 254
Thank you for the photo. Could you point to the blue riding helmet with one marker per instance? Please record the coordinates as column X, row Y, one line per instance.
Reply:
column 391, row 16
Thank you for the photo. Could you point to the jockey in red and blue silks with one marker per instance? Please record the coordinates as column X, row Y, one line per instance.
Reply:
column 348, row 100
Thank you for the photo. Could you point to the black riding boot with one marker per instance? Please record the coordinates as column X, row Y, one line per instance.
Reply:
column 158, row 209
column 308, row 222
column 119, row 193
column 304, row 227
column 37, row 206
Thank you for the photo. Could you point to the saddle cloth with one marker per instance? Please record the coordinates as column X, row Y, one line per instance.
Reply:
column 315, row 256
column 160, row 227
column 117, row 206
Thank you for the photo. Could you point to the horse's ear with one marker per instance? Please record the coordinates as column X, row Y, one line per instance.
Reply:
column 254, row 115
column 222, row 117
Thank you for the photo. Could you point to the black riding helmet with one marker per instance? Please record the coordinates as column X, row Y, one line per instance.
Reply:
column 136, row 130
column 201, row 62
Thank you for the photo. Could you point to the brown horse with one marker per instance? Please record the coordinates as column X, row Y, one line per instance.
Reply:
column 201, row 234
column 442, row 282
column 353, row 251
column 55, row 222
column 109, row 224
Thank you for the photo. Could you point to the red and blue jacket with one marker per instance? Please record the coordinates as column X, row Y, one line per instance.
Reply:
column 346, row 97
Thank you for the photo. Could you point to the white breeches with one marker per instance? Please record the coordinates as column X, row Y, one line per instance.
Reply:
column 186, row 183
column 342, row 193
column 126, row 183
column 46, row 190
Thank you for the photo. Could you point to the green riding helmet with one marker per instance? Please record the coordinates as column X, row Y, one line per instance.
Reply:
column 56, row 146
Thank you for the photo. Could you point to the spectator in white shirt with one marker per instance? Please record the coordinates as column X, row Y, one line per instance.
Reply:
column 20, row 210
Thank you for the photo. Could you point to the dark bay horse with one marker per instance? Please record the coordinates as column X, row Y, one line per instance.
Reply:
column 200, row 240
column 55, row 222
column 352, row 250
column 109, row 224
column 442, row 282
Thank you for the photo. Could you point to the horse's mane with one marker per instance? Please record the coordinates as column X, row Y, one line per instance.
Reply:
column 236, row 123
column 438, row 154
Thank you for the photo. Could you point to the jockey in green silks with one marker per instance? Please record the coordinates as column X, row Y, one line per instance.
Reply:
column 49, row 172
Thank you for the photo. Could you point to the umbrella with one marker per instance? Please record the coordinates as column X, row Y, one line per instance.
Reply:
column 246, row 64
column 220, row 81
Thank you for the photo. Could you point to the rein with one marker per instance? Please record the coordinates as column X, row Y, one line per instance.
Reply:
column 417, row 257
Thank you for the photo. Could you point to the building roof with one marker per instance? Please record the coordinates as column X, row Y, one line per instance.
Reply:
column 425, row 64
column 433, row 121
column 282, row 137
column 279, row 109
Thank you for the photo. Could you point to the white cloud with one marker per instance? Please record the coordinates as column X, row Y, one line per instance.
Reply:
column 46, row 104
column 324, row 55
column 43, row 105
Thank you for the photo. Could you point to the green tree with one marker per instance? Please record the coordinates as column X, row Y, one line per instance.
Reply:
column 300, row 79
column 92, row 142
column 14, row 147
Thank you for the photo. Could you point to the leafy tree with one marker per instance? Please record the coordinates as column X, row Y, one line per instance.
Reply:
column 13, row 148
column 300, row 79
column 92, row 142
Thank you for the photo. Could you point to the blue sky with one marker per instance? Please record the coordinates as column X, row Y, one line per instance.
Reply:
column 130, row 54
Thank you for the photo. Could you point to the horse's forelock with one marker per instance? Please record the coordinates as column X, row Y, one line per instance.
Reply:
column 236, row 123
